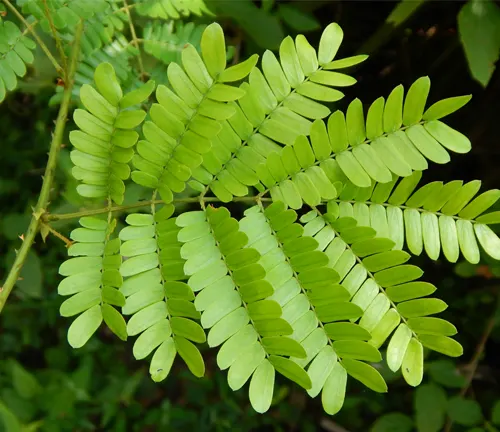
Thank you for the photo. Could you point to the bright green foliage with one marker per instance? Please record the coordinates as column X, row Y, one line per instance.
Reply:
column 393, row 141
column 187, row 119
column 166, row 41
column 171, row 9
column 314, row 304
column 434, row 217
column 161, row 304
column 93, row 280
column 385, row 289
column 106, row 136
column 236, row 306
column 313, row 300
column 277, row 107
column 15, row 53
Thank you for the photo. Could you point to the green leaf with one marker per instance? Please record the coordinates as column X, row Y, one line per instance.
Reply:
column 478, row 23
column 213, row 49
column 413, row 363
column 114, row 321
column 480, row 204
column 333, row 394
column 187, row 329
column 191, row 356
column 346, row 331
column 239, row 71
column 84, row 327
column 489, row 218
column 446, row 373
column 415, row 101
column 262, row 387
column 107, row 83
column 138, row 96
column 80, row 302
column 151, row 338
column 398, row 275
column 24, row 383
column 356, row 349
column 162, row 360
column 397, row 347
column 366, row 374
column 431, row 325
column 291, row 370
column 448, row 137
column 442, row 344
column 355, row 123
column 284, row 346
column 421, row 307
column 30, row 280
column 9, row 420
column 393, row 112
column 393, row 422
column 409, row 291
column 329, row 43
column 445, row 107
column 383, row 327
column 488, row 240
column 465, row 412
column 495, row 413
column 430, row 406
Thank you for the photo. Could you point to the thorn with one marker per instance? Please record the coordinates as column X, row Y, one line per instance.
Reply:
column 21, row 237
column 3, row 13
column 20, row 278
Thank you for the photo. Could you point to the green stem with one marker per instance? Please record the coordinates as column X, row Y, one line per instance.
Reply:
column 48, row 178
column 56, row 37
column 135, row 41
column 56, row 217
column 31, row 29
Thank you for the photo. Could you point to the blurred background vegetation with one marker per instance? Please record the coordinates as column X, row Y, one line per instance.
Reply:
column 47, row 386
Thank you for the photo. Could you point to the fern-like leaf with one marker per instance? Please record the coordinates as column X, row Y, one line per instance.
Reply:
column 166, row 41
column 163, row 314
column 171, row 9
column 314, row 304
column 93, row 280
column 102, row 21
column 448, row 217
column 386, row 289
column 275, row 110
column 106, row 136
column 233, row 297
column 15, row 53
column 344, row 149
column 187, row 119
column 63, row 13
